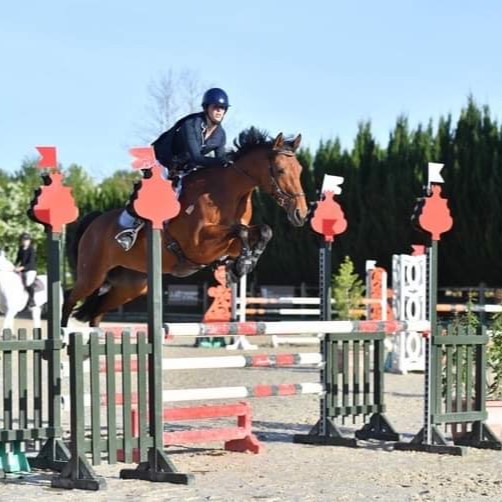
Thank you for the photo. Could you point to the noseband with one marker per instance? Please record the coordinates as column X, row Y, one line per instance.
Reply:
column 284, row 199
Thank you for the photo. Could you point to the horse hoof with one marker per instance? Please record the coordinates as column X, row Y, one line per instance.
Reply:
column 231, row 277
column 244, row 267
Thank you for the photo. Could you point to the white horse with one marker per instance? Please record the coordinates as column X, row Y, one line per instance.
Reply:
column 14, row 297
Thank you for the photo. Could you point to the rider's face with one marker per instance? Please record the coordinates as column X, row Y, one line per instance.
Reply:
column 216, row 113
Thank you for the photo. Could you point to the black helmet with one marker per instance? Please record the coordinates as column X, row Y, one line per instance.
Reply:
column 25, row 236
column 215, row 96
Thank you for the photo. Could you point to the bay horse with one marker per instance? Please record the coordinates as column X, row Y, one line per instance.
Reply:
column 212, row 225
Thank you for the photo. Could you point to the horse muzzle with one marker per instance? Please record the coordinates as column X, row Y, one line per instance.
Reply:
column 296, row 217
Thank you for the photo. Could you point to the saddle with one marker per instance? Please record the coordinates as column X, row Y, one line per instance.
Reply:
column 38, row 285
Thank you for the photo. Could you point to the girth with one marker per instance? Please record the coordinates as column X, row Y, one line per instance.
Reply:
column 184, row 266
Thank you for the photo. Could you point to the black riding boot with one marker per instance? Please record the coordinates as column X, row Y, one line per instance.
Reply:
column 31, row 293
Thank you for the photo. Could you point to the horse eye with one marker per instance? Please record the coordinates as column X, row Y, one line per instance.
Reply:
column 281, row 170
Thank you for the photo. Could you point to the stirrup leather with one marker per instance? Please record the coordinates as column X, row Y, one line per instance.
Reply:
column 127, row 237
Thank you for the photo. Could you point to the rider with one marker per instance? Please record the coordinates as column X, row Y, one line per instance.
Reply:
column 26, row 264
column 196, row 140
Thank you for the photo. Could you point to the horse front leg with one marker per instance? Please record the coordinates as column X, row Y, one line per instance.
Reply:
column 8, row 322
column 254, row 240
column 36, row 316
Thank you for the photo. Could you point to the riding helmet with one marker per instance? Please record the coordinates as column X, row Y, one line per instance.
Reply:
column 25, row 236
column 215, row 96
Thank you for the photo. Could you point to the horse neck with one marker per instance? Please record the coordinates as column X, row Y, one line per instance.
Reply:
column 6, row 266
column 249, row 171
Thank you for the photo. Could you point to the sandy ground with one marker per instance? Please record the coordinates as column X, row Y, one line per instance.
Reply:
column 291, row 472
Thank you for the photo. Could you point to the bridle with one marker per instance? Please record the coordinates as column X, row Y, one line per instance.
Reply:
column 284, row 199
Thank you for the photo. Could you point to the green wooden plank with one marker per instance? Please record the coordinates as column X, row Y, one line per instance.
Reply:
column 356, row 383
column 94, row 353
column 7, row 383
column 378, row 371
column 77, row 352
column 459, row 385
column 358, row 410
column 36, row 433
column 335, row 375
column 437, row 388
column 366, row 373
column 469, row 367
column 459, row 340
column 358, row 335
column 37, row 383
column 126, row 351
column 142, row 378
column 111, row 409
column 460, row 417
column 331, row 374
column 481, row 365
column 22, row 373
column 345, row 375
column 449, row 365
column 332, row 369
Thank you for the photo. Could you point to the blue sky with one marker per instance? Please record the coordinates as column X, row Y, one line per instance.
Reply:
column 75, row 73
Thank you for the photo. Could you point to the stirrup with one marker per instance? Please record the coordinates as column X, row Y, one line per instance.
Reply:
column 126, row 238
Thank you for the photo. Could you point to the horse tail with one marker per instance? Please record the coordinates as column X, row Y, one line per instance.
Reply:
column 88, row 307
column 72, row 249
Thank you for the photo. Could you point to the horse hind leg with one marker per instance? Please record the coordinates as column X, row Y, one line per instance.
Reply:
column 116, row 297
column 80, row 290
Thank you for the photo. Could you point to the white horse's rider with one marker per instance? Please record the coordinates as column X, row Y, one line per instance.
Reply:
column 196, row 140
column 26, row 264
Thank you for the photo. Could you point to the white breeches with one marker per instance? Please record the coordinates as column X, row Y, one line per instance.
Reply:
column 29, row 277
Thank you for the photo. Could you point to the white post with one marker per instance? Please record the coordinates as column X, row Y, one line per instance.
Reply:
column 242, row 296
column 241, row 342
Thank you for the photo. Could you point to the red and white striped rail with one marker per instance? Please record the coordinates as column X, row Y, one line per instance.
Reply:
column 192, row 363
column 209, row 393
column 460, row 307
column 257, row 328
column 260, row 328
column 294, row 300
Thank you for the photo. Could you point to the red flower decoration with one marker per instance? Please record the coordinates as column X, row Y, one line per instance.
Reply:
column 54, row 204
column 435, row 216
column 221, row 309
column 328, row 218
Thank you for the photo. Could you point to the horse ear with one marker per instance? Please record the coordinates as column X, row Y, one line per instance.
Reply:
column 296, row 142
column 278, row 141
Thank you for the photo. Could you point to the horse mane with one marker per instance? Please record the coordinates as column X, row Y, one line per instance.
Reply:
column 252, row 139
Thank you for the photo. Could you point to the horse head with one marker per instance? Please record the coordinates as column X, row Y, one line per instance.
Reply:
column 274, row 168
column 284, row 179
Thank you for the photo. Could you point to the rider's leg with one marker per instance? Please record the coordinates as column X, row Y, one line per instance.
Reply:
column 29, row 283
column 131, row 225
